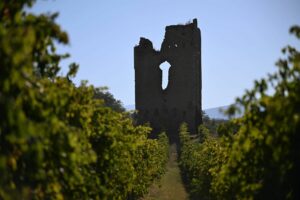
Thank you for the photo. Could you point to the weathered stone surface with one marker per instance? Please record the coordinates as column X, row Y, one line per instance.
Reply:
column 165, row 109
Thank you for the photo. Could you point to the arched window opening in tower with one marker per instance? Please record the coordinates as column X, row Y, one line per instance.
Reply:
column 165, row 66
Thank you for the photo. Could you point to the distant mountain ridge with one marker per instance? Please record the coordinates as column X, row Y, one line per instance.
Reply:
column 213, row 113
column 217, row 112
column 130, row 107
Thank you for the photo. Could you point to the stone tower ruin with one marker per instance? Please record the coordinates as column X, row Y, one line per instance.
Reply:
column 165, row 109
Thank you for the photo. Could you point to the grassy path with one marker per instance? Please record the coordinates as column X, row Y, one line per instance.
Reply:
column 170, row 186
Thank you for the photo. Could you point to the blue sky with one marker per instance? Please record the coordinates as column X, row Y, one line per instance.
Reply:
column 241, row 40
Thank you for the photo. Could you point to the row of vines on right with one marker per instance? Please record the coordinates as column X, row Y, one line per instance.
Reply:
column 257, row 155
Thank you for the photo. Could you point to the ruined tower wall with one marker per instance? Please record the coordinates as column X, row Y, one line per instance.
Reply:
column 181, row 100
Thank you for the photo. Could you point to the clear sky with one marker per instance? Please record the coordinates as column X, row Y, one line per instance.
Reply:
column 241, row 39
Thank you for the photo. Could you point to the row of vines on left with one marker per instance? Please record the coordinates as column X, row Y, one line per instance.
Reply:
column 56, row 140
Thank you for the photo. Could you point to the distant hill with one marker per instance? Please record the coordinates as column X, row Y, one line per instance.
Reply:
column 213, row 113
column 130, row 107
column 216, row 113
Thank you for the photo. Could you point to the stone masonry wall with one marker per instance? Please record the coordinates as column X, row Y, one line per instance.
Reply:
column 165, row 109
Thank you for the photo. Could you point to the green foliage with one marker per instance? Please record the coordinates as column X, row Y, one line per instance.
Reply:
column 264, row 158
column 56, row 140
column 212, row 124
column 150, row 165
column 197, row 157
column 108, row 98
column 255, row 156
column 127, row 161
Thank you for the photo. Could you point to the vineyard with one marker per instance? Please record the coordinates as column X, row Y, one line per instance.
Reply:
column 255, row 156
column 57, row 141
column 62, row 141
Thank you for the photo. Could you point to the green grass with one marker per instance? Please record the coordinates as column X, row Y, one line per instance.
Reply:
column 170, row 187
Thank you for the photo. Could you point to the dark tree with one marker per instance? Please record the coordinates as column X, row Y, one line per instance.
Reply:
column 109, row 99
